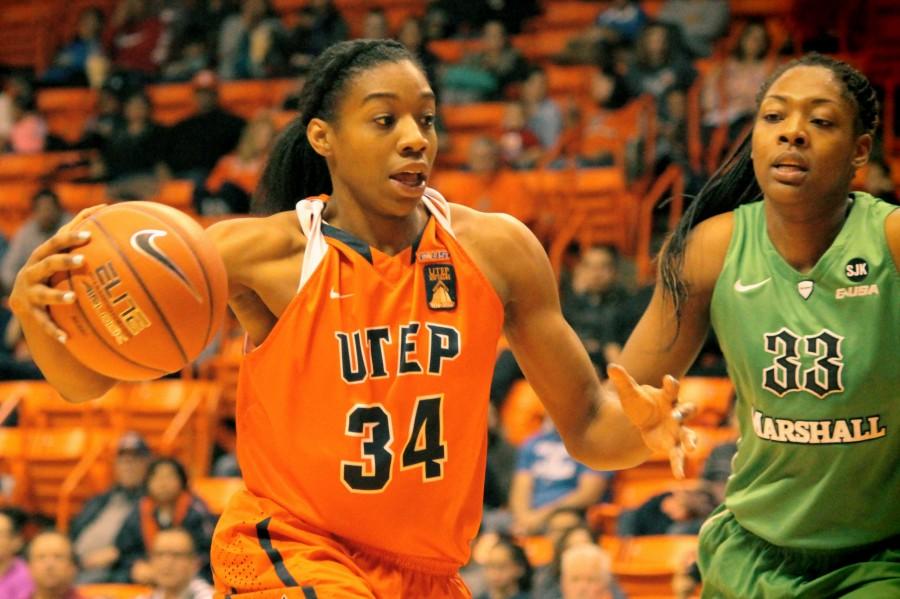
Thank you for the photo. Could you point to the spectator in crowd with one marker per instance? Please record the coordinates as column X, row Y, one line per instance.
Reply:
column 189, row 56
column 520, row 147
column 700, row 22
column 135, row 37
column 592, row 303
column 292, row 99
column 493, row 188
column 561, row 520
column 671, row 141
column 547, row 478
column 485, row 74
column 133, row 153
column 70, row 63
column 621, row 22
column 729, row 91
column 507, row 571
column 412, row 36
column 168, row 503
column 547, row 578
column 47, row 216
column 544, row 115
column 592, row 299
column 174, row 565
column 95, row 528
column 233, row 180
column 15, row 358
column 15, row 579
column 616, row 27
column 252, row 43
column 678, row 512
column 586, row 573
column 879, row 181
column 501, row 464
column 196, row 143
column 658, row 66
column 682, row 511
column 468, row 15
column 319, row 25
column 52, row 565
column 28, row 132
column 599, row 137
column 108, row 117
column 13, row 87
column 375, row 25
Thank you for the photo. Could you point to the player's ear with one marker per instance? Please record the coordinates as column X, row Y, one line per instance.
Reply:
column 318, row 135
column 862, row 151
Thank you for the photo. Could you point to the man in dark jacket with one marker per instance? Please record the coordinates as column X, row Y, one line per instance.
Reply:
column 94, row 529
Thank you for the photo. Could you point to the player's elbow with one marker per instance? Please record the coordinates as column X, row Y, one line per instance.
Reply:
column 605, row 455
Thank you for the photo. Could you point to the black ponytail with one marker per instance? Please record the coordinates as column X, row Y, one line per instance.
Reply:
column 734, row 183
column 294, row 170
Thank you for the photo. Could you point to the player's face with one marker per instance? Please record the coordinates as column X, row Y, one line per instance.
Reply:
column 804, row 144
column 383, row 143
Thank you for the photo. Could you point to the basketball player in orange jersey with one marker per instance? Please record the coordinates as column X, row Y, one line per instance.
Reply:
column 375, row 315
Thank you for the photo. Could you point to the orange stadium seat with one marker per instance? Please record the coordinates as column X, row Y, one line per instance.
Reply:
column 35, row 167
column 522, row 413
column 567, row 15
column 67, row 110
column 245, row 98
column 176, row 417
column 171, row 102
column 543, row 45
column 645, row 565
column 41, row 407
column 457, row 155
column 712, row 397
column 178, row 193
column 569, row 81
column 484, row 117
column 12, row 491
column 58, row 473
column 216, row 491
column 113, row 591
column 78, row 196
column 539, row 550
column 15, row 204
column 453, row 50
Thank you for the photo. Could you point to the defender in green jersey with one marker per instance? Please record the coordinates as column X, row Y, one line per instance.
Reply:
column 800, row 279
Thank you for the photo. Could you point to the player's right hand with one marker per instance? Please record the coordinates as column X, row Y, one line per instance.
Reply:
column 31, row 293
column 657, row 414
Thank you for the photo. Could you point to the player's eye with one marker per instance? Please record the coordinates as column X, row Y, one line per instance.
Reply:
column 771, row 117
column 822, row 122
column 428, row 120
column 385, row 120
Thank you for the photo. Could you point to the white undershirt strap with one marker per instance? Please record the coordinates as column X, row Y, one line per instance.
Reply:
column 309, row 212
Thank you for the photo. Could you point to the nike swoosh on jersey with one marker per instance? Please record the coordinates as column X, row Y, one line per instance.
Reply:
column 745, row 288
column 145, row 241
column 335, row 295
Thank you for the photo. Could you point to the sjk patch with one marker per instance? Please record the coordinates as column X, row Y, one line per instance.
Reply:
column 440, row 286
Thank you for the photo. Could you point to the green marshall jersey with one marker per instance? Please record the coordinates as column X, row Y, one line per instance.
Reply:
column 815, row 359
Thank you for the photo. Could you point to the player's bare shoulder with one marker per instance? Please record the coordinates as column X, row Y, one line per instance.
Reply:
column 501, row 246
column 704, row 256
column 249, row 243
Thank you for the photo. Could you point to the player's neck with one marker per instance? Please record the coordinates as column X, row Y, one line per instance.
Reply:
column 387, row 234
column 802, row 233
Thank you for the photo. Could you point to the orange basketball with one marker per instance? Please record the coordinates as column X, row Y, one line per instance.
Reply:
column 150, row 295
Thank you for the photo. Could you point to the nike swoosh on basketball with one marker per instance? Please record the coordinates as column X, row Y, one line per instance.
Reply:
column 745, row 288
column 335, row 295
column 145, row 241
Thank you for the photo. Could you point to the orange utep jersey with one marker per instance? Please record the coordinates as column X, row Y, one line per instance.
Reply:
column 364, row 412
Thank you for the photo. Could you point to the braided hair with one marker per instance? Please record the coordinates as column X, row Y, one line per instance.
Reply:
column 734, row 183
column 294, row 170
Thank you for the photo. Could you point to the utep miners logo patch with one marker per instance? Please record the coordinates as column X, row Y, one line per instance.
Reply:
column 440, row 286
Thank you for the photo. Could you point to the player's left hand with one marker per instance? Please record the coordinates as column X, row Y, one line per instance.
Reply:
column 657, row 414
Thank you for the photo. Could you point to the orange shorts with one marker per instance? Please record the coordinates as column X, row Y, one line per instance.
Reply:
column 259, row 552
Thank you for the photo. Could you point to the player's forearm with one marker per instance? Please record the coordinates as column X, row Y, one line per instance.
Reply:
column 74, row 381
column 606, row 439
